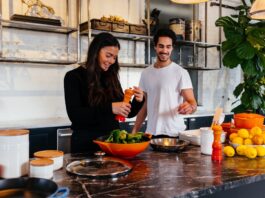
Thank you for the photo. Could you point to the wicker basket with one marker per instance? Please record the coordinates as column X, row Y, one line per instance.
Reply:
column 138, row 29
column 120, row 27
column 97, row 25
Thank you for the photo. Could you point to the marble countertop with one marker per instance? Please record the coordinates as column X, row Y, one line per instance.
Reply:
column 157, row 174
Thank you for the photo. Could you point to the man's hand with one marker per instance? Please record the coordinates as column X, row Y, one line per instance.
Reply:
column 138, row 94
column 186, row 108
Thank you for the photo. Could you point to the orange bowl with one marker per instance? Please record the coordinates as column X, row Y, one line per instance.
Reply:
column 248, row 120
column 122, row 150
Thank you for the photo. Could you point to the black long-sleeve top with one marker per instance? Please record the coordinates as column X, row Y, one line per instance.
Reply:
column 89, row 122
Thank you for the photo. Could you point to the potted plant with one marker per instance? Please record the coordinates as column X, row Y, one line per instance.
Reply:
column 245, row 46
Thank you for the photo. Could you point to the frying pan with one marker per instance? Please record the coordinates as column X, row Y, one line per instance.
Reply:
column 31, row 188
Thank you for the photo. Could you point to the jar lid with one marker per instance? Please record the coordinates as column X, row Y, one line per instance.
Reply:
column 41, row 162
column 48, row 153
column 177, row 20
column 13, row 132
column 100, row 167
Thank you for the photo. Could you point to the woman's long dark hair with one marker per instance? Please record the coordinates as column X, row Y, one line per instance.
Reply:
column 102, row 85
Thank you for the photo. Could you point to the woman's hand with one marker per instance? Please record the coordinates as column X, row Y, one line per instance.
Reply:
column 138, row 94
column 121, row 108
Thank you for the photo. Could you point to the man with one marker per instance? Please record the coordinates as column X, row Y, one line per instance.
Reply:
column 168, row 91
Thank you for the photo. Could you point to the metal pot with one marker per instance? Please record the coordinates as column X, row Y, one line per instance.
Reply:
column 31, row 188
column 168, row 144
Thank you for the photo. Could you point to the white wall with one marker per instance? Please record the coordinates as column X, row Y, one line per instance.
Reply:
column 30, row 91
column 216, row 87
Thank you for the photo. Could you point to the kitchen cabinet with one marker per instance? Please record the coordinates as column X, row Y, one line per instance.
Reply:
column 15, row 50
column 135, row 38
column 128, row 126
column 43, row 139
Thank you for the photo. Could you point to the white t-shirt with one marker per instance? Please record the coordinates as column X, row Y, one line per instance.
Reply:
column 163, row 87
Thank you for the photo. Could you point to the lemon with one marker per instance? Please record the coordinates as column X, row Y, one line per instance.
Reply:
column 255, row 131
column 257, row 139
column 240, row 150
column 229, row 151
column 263, row 135
column 260, row 151
column 237, row 140
column 232, row 136
column 248, row 141
column 251, row 152
column 243, row 133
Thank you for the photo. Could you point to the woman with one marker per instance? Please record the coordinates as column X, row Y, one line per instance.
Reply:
column 94, row 96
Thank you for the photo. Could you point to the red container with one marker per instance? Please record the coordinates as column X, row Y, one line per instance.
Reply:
column 248, row 120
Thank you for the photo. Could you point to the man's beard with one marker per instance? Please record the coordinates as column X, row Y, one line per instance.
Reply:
column 163, row 60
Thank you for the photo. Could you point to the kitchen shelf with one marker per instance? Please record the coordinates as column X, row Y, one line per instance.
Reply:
column 36, row 26
column 39, row 26
column 200, row 68
column 132, row 65
column 20, row 60
column 89, row 32
column 125, row 36
column 198, row 44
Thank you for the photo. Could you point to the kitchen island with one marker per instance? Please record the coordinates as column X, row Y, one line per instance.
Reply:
column 185, row 174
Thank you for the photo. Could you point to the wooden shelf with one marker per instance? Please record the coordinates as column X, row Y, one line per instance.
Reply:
column 20, row 60
column 36, row 26
column 134, row 37
column 201, row 68
column 198, row 44
column 132, row 65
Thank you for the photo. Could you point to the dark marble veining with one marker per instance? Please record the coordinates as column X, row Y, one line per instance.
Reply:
column 156, row 174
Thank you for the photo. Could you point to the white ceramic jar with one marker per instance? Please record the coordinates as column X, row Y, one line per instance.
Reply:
column 55, row 155
column 206, row 140
column 14, row 153
column 41, row 168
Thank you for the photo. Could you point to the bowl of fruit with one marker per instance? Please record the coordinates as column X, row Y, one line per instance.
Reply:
column 247, row 142
column 122, row 144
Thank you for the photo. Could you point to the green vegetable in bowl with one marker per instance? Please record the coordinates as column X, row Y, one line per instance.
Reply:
column 123, row 137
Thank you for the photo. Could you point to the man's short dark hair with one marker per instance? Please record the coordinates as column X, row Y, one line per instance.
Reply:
column 165, row 32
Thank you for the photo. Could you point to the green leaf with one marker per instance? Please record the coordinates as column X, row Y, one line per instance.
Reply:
column 239, row 109
column 238, row 90
column 246, row 98
column 234, row 33
column 256, row 102
column 225, row 22
column 249, row 67
column 261, row 61
column 245, row 51
column 243, row 20
column 231, row 59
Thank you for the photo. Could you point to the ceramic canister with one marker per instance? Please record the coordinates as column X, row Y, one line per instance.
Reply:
column 55, row 155
column 206, row 140
column 41, row 168
column 14, row 153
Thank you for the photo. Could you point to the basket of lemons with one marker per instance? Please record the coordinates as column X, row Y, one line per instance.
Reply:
column 249, row 143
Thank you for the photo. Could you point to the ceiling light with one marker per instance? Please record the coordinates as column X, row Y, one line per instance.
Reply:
column 188, row 1
column 257, row 10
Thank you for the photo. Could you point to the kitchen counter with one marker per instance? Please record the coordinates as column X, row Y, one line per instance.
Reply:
column 156, row 174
